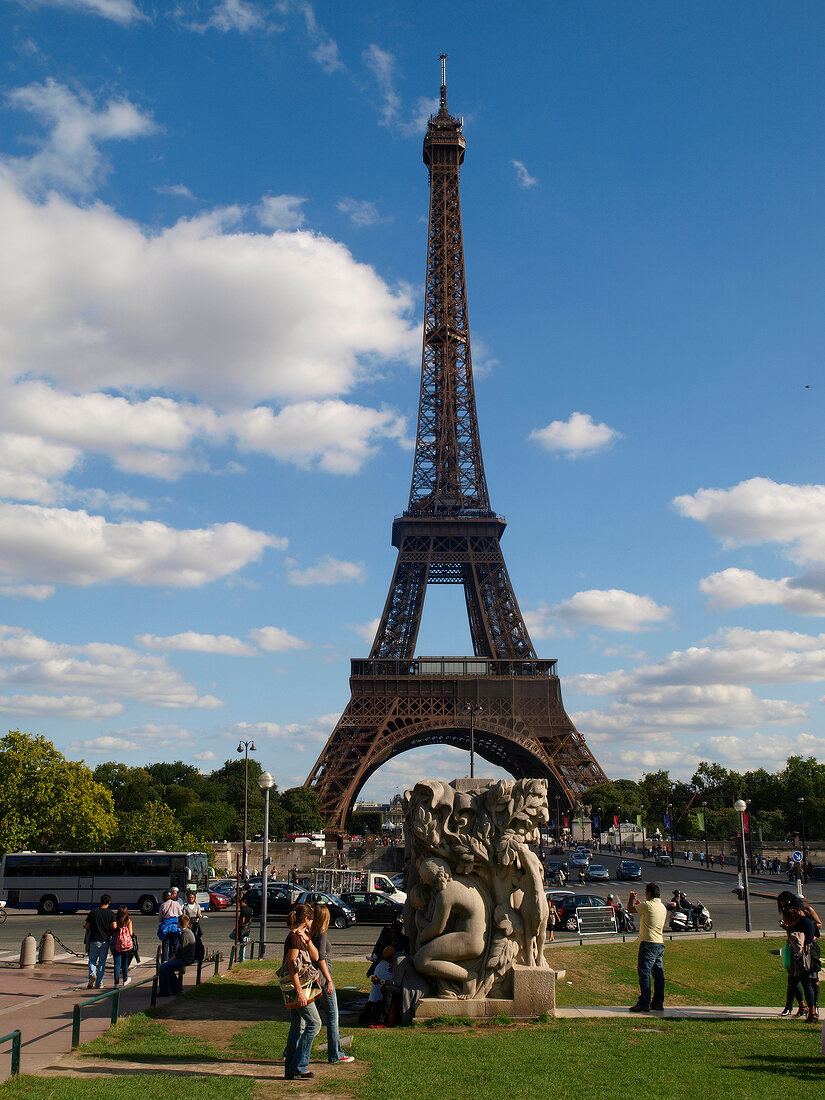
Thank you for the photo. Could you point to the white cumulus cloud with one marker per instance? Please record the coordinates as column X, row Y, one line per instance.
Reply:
column 69, row 156
column 191, row 642
column 123, row 12
column 274, row 639
column 327, row 570
column 59, row 546
column 525, row 180
column 576, row 437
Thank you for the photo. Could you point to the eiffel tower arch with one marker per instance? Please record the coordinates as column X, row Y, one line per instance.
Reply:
column 503, row 702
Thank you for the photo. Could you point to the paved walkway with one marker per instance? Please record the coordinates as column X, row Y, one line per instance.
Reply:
column 40, row 1002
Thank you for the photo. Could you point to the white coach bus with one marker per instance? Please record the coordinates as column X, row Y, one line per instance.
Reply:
column 63, row 882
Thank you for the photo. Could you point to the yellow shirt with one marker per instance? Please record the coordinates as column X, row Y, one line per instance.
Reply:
column 652, row 916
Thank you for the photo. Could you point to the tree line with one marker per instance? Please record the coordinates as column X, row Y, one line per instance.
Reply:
column 49, row 803
column 775, row 808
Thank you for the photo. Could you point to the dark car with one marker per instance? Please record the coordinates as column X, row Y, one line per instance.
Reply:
column 280, row 897
column 662, row 859
column 340, row 914
column 373, row 908
column 553, row 866
column 567, row 908
column 629, row 870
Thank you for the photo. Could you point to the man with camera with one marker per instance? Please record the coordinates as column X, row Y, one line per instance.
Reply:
column 652, row 914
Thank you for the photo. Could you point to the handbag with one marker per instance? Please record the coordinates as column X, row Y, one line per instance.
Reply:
column 787, row 955
column 135, row 948
column 310, row 988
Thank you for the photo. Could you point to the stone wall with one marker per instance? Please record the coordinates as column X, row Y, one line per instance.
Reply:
column 283, row 856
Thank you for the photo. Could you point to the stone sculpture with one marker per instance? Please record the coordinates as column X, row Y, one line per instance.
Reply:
column 475, row 891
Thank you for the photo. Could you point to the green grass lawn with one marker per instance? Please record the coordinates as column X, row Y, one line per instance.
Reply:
column 720, row 972
column 241, row 1018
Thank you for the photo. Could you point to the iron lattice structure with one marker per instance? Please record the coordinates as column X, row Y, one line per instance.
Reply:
column 450, row 535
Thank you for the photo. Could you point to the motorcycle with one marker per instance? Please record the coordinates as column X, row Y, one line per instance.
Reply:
column 624, row 921
column 697, row 920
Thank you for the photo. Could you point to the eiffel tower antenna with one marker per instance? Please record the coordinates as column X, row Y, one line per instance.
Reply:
column 503, row 703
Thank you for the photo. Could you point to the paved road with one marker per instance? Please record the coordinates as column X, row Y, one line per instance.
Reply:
column 714, row 888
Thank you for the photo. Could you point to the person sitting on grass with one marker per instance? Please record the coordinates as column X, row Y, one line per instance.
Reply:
column 170, row 972
column 381, row 978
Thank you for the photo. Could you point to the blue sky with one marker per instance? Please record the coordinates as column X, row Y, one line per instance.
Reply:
column 213, row 221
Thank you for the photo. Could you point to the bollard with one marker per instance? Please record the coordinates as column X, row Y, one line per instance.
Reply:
column 28, row 951
column 799, row 893
column 46, row 954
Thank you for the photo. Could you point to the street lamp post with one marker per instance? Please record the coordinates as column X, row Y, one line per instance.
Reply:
column 672, row 843
column 245, row 747
column 266, row 783
column 740, row 805
column 473, row 709
column 705, row 823
column 804, row 849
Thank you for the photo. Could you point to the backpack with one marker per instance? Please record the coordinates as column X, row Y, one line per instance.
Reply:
column 123, row 939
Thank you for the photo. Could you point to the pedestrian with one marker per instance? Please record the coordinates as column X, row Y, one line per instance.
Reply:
column 300, row 959
column 168, row 927
column 193, row 910
column 801, row 933
column 710, row 860
column 170, row 973
column 121, row 944
column 650, row 959
column 328, row 998
column 98, row 927
column 722, row 860
column 552, row 921
column 783, row 902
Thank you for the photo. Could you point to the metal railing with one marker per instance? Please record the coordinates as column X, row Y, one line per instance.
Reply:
column 16, row 1038
column 114, row 994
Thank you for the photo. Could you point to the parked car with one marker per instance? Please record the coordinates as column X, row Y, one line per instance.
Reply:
column 280, row 897
column 223, row 886
column 595, row 872
column 217, row 900
column 629, row 870
column 373, row 908
column 662, row 859
column 341, row 915
column 568, row 906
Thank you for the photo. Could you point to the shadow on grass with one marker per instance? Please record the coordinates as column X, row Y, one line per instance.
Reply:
column 803, row 1069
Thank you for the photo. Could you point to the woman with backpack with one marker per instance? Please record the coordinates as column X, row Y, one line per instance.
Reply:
column 121, row 943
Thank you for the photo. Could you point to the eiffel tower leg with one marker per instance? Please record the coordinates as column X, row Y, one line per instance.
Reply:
column 401, row 705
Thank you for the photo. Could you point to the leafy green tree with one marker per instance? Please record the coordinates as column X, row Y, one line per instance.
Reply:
column 153, row 826
column 49, row 802
column 300, row 808
column 131, row 788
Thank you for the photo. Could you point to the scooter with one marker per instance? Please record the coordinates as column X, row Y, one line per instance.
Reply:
column 698, row 920
column 624, row 921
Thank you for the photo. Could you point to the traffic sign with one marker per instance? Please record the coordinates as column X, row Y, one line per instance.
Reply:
column 797, row 857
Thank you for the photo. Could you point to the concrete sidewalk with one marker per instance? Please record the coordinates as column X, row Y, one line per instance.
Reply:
column 40, row 1002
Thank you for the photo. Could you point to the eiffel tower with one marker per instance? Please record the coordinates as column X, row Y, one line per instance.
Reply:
column 503, row 703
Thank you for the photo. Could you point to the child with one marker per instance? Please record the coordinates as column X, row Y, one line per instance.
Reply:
column 382, row 976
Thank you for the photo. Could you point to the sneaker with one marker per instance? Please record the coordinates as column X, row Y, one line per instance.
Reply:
column 786, row 1012
column 344, row 1058
column 638, row 1008
column 657, row 1008
column 303, row 1076
column 128, row 980
column 382, row 1025
column 90, row 984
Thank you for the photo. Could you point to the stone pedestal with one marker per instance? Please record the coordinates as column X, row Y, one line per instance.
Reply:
column 534, row 992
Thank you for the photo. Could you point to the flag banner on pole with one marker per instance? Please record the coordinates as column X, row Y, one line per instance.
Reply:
column 667, row 822
column 567, row 823
column 746, row 820
column 616, row 820
column 639, row 820
column 700, row 817
column 596, row 821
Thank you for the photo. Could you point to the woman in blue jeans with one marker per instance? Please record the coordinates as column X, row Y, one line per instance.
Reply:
column 300, row 958
column 329, row 999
